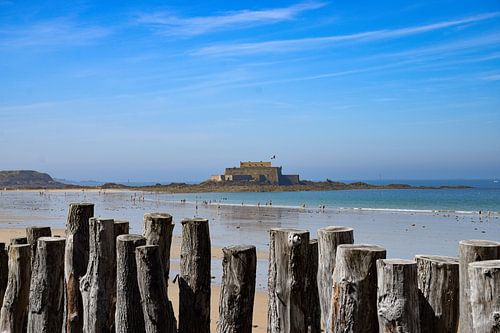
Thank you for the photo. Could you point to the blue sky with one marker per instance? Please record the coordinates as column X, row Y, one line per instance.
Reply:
column 178, row 90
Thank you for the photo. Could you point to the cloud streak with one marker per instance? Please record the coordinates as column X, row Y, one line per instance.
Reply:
column 289, row 45
column 57, row 32
column 171, row 25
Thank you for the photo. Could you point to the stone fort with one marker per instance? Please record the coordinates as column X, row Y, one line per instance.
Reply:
column 257, row 172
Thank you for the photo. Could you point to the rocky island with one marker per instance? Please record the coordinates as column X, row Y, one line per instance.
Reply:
column 28, row 179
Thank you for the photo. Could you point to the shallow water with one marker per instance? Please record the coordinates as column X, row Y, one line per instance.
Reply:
column 403, row 233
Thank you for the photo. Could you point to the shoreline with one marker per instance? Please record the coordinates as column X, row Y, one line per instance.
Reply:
column 261, row 206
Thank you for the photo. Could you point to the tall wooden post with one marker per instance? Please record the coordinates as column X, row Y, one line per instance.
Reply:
column 97, row 284
column 354, row 295
column 14, row 313
column 471, row 251
column 75, row 262
column 18, row 240
column 32, row 235
column 438, row 285
column 158, row 229
column 4, row 271
column 313, row 307
column 157, row 310
column 397, row 296
column 288, row 251
column 46, row 303
column 485, row 296
column 328, row 240
column 238, row 289
column 128, row 316
column 195, row 277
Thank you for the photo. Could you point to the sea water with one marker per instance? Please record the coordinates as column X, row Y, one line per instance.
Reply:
column 405, row 222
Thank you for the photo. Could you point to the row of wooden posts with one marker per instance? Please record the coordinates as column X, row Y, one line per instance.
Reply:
column 101, row 279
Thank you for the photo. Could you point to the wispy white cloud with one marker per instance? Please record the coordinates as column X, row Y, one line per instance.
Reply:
column 491, row 77
column 288, row 45
column 172, row 25
column 57, row 32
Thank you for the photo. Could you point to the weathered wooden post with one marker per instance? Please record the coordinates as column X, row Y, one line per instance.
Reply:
column 18, row 240
column 75, row 262
column 328, row 240
column 14, row 313
column 157, row 310
column 354, row 295
column 97, row 284
column 238, row 289
column 484, row 279
column 471, row 251
column 158, row 228
column 128, row 315
column 437, row 278
column 121, row 227
column 397, row 296
column 4, row 271
column 288, row 250
column 32, row 235
column 46, row 304
column 313, row 307
column 195, row 278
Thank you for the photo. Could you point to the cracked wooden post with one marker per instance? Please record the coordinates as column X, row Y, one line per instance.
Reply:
column 45, row 313
column 238, row 289
column 471, row 251
column 75, row 262
column 18, row 240
column 158, row 229
column 313, row 307
column 128, row 315
column 484, row 279
column 354, row 294
column 14, row 312
column 97, row 285
column 158, row 313
column 4, row 271
column 438, row 285
column 288, row 251
column 195, row 277
column 397, row 296
column 120, row 227
column 32, row 235
column 328, row 240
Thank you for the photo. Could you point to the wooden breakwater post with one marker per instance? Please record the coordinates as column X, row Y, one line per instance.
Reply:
column 14, row 312
column 471, row 251
column 354, row 295
column 97, row 284
column 75, row 262
column 158, row 229
column 438, row 286
column 288, row 251
column 128, row 315
column 46, row 300
column 328, row 240
column 4, row 271
column 484, row 279
column 120, row 227
column 238, row 289
column 313, row 313
column 32, row 235
column 18, row 240
column 158, row 313
column 397, row 294
column 195, row 277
